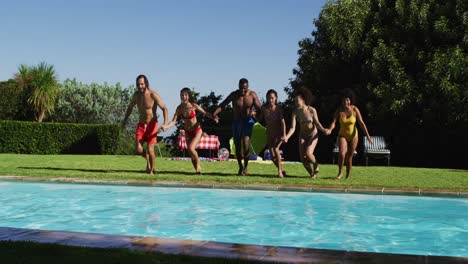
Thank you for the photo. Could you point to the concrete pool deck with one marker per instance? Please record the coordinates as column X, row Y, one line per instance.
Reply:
column 215, row 249
column 265, row 187
column 218, row 249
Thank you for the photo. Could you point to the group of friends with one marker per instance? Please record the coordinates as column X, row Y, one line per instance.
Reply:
column 246, row 110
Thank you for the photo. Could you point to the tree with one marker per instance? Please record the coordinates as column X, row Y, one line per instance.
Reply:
column 10, row 100
column 407, row 60
column 93, row 103
column 41, row 85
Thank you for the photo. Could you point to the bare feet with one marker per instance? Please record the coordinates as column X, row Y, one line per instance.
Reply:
column 244, row 172
column 241, row 171
column 338, row 177
column 284, row 174
column 316, row 171
column 280, row 175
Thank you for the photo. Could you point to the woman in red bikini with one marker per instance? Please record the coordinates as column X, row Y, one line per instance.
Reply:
column 193, row 131
column 276, row 128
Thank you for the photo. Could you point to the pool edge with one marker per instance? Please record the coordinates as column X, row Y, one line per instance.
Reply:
column 214, row 249
column 264, row 187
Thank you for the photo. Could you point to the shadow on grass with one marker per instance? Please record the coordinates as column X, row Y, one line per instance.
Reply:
column 223, row 174
column 83, row 170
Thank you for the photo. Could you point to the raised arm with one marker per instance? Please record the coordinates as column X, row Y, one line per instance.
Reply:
column 222, row 106
column 129, row 111
column 361, row 123
column 161, row 105
column 173, row 121
column 292, row 128
column 317, row 122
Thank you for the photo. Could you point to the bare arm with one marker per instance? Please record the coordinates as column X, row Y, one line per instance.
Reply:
column 161, row 105
column 283, row 123
column 173, row 121
column 332, row 125
column 317, row 122
column 362, row 125
column 201, row 110
column 129, row 110
column 256, row 102
column 292, row 128
column 222, row 105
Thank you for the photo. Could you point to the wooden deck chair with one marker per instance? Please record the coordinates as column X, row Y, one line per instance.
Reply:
column 336, row 151
column 378, row 149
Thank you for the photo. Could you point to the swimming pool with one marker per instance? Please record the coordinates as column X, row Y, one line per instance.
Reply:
column 358, row 222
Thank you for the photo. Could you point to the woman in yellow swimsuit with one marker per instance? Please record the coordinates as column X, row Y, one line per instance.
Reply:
column 347, row 115
column 309, row 123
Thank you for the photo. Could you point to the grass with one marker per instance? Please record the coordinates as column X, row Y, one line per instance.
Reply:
column 29, row 252
column 131, row 168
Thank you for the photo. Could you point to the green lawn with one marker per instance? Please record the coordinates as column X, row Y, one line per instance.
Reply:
column 131, row 168
column 29, row 252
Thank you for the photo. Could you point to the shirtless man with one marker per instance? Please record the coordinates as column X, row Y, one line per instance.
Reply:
column 147, row 102
column 243, row 100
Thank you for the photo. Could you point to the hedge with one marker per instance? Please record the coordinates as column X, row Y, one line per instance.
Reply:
column 58, row 138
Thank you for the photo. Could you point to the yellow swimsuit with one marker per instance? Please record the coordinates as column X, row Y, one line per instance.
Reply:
column 348, row 128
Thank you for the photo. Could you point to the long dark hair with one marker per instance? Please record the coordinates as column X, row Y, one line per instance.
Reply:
column 271, row 91
column 187, row 90
column 144, row 78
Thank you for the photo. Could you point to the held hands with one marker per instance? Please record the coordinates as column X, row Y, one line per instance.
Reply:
column 215, row 119
column 164, row 128
column 284, row 139
column 327, row 131
column 370, row 140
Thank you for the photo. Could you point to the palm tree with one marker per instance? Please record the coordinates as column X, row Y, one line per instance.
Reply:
column 41, row 82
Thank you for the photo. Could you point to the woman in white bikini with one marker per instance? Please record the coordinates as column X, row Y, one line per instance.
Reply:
column 309, row 125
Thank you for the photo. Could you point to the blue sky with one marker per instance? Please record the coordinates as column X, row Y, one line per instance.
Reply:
column 203, row 44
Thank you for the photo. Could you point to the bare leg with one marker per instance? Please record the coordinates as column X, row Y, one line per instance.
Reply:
column 309, row 151
column 246, row 144
column 140, row 151
column 192, row 143
column 239, row 155
column 302, row 154
column 342, row 146
column 152, row 157
column 349, row 155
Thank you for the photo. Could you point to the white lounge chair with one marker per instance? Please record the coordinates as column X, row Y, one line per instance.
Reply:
column 378, row 149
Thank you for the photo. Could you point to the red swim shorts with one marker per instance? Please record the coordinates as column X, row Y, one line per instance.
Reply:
column 147, row 132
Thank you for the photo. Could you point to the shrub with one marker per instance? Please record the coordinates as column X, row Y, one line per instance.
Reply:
column 58, row 138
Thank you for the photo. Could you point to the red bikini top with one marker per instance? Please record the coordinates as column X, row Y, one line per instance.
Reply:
column 192, row 115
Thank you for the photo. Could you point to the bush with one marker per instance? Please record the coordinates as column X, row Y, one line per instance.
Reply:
column 58, row 138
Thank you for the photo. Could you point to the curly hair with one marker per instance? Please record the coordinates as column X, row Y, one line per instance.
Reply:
column 348, row 93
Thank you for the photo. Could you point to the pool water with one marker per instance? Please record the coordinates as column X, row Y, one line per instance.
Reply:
column 358, row 222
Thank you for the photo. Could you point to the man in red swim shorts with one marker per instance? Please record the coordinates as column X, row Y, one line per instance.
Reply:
column 147, row 102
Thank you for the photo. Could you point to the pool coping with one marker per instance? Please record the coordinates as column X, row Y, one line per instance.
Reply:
column 215, row 249
column 263, row 187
